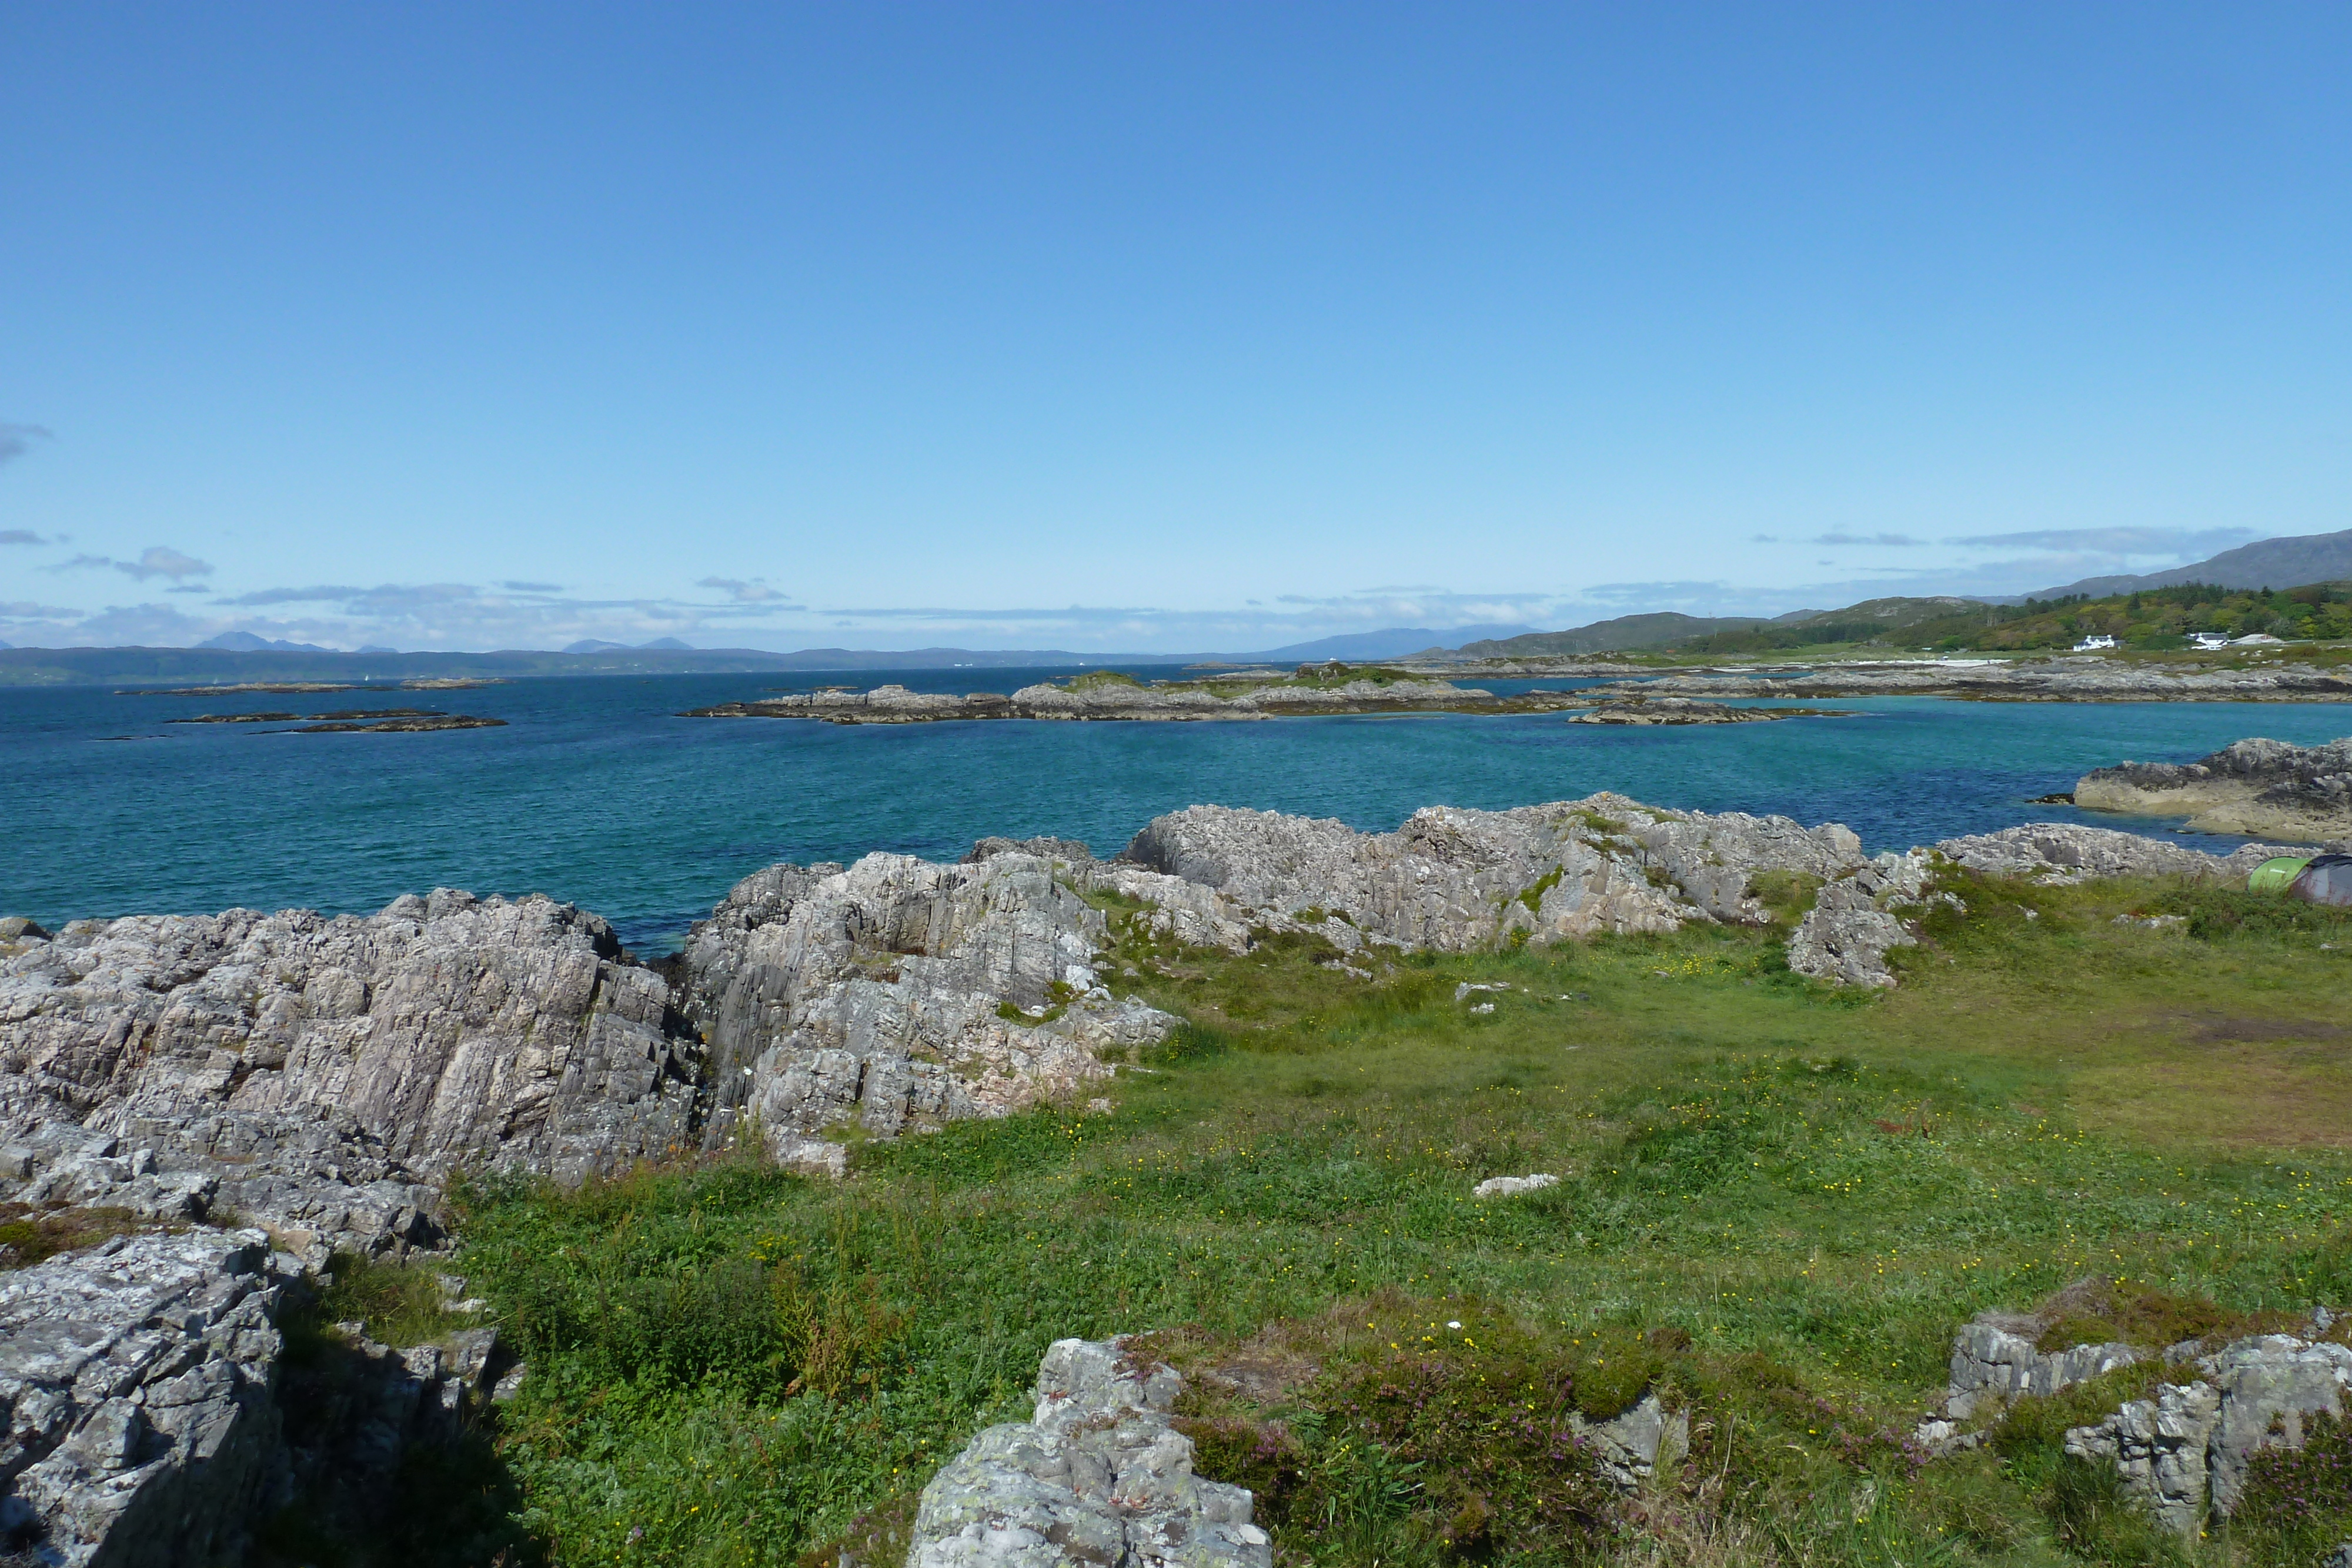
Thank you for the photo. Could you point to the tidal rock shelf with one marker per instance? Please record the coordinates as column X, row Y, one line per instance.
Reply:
column 2251, row 787
column 370, row 721
column 1639, row 711
column 1128, row 700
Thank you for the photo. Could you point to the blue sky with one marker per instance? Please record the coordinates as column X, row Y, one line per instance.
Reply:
column 1128, row 327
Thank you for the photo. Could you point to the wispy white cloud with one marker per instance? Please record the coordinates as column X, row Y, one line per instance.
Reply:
column 15, row 440
column 162, row 561
column 1890, row 541
column 2113, row 542
column 752, row 591
column 156, row 561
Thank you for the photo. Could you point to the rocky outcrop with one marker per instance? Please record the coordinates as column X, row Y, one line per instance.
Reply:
column 1454, row 880
column 154, row 1417
column 1631, row 1447
column 2251, row 787
column 2269, row 1386
column 2158, row 1446
column 2183, row 1451
column 2063, row 853
column 321, row 1076
column 899, row 994
column 2187, row 1451
column 1995, row 1359
column 138, row 1377
column 1845, row 938
column 1098, row 1476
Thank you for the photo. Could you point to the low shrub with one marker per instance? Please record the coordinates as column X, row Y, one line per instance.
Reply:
column 2298, row 1505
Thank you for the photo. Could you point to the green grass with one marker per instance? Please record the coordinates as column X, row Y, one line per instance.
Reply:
column 1777, row 1200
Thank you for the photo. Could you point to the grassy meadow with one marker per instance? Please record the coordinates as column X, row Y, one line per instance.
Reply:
column 1776, row 1202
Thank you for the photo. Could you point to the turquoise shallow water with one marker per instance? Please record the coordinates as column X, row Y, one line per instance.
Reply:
column 598, row 792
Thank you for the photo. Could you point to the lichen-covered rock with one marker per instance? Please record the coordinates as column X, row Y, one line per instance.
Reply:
column 1455, row 879
column 2062, row 852
column 1995, row 1358
column 323, row 1075
column 2270, row 1385
column 1631, row 1447
column 138, row 1378
column 1098, row 1478
column 2251, row 787
column 2158, row 1446
column 902, row 994
column 2183, row 1454
column 1845, row 938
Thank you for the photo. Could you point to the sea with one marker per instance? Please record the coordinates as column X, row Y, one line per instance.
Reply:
column 601, row 791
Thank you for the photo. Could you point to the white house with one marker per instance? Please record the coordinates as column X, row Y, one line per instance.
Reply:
column 2209, row 641
column 2093, row 643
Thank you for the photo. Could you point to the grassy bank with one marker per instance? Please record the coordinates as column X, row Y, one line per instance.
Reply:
column 1776, row 1202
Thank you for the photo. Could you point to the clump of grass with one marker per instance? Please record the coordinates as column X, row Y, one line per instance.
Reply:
column 2105, row 1311
column 1097, row 680
column 1787, row 895
column 31, row 1234
column 396, row 1302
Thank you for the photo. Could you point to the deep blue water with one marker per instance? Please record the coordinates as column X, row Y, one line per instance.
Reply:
column 597, row 792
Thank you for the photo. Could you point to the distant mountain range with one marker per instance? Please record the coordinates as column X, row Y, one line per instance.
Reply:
column 2265, row 563
column 247, row 642
column 244, row 655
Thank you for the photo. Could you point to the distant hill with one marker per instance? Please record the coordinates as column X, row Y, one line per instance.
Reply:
column 1392, row 644
column 248, row 643
column 2265, row 563
column 598, row 645
column 1626, row 632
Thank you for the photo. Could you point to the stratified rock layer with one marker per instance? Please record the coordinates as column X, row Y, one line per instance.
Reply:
column 321, row 1075
column 1456, row 880
column 900, row 994
column 1098, row 1477
column 2251, row 787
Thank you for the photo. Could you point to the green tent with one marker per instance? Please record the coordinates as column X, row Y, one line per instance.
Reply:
column 2276, row 876
column 2315, row 879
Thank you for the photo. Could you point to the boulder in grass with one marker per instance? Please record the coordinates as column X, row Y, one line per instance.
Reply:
column 1512, row 1186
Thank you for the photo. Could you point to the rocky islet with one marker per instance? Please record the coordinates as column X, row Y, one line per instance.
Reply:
column 2251, row 787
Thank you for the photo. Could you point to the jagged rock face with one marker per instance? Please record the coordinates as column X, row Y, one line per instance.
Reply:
column 1455, row 879
column 2062, row 852
column 881, row 993
column 2251, row 787
column 1098, row 1476
column 138, row 1378
column 321, row 1074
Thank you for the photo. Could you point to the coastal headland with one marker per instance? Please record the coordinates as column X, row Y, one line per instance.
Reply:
column 1469, row 1103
